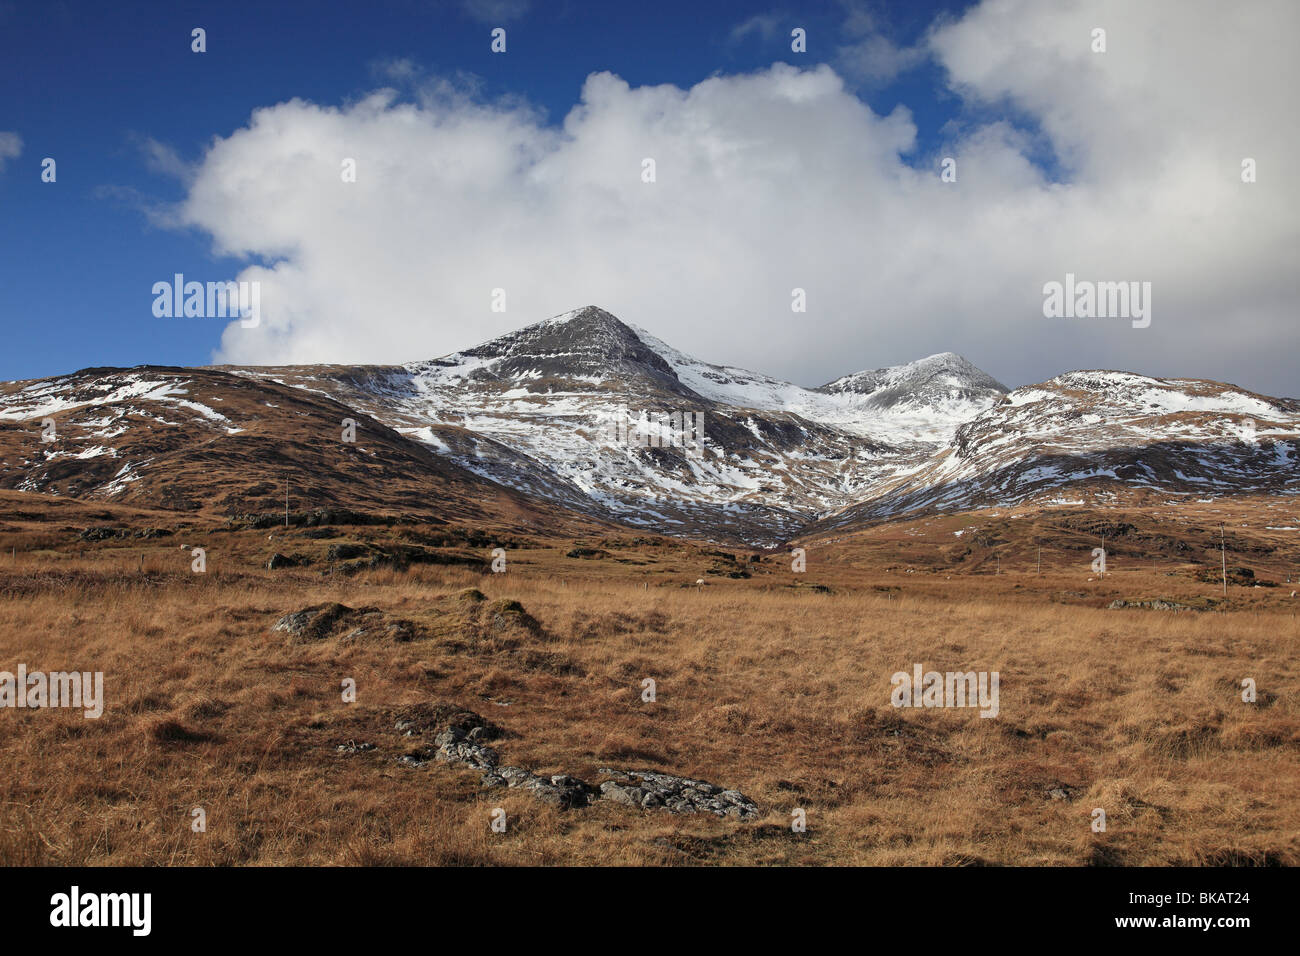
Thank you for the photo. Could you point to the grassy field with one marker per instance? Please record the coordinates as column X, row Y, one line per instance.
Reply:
column 773, row 683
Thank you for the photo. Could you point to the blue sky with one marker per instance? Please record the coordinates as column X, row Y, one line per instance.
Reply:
column 1121, row 166
column 89, row 83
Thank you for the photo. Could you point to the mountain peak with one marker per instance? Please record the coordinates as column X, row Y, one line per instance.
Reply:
column 591, row 314
column 946, row 358
column 587, row 343
column 939, row 377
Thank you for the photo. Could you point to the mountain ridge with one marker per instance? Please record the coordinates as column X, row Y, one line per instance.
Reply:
column 566, row 413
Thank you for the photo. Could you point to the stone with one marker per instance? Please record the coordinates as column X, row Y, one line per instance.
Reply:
column 1156, row 605
column 354, row 747
column 643, row 789
column 416, row 758
column 312, row 623
column 514, row 776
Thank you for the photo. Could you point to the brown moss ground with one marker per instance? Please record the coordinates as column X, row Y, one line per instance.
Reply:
column 780, row 692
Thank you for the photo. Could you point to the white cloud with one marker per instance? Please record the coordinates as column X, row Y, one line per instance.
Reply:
column 11, row 147
column 764, row 25
column 877, row 59
column 869, row 55
column 163, row 159
column 783, row 179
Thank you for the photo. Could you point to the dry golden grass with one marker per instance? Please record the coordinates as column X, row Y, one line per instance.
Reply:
column 781, row 693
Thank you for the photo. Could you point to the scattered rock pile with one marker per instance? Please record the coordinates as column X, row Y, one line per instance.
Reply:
column 581, row 552
column 468, row 747
column 349, row 557
column 108, row 534
column 321, row 621
column 318, row 518
column 559, row 790
column 312, row 623
column 675, row 794
column 1156, row 605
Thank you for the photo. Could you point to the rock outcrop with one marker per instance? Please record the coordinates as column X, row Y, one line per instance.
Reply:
column 322, row 621
column 467, row 746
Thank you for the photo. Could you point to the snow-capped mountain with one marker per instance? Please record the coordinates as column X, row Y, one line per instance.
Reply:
column 603, row 419
column 536, row 410
column 1102, row 435
column 929, row 383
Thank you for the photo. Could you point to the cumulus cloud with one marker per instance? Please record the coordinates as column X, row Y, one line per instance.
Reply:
column 876, row 59
column 869, row 55
column 783, row 178
column 11, row 147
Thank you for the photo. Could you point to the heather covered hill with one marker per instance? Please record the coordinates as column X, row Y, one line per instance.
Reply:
column 205, row 442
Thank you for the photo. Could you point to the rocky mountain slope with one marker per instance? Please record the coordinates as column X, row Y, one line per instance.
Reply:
column 205, row 441
column 538, row 410
column 584, row 414
column 1100, row 438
